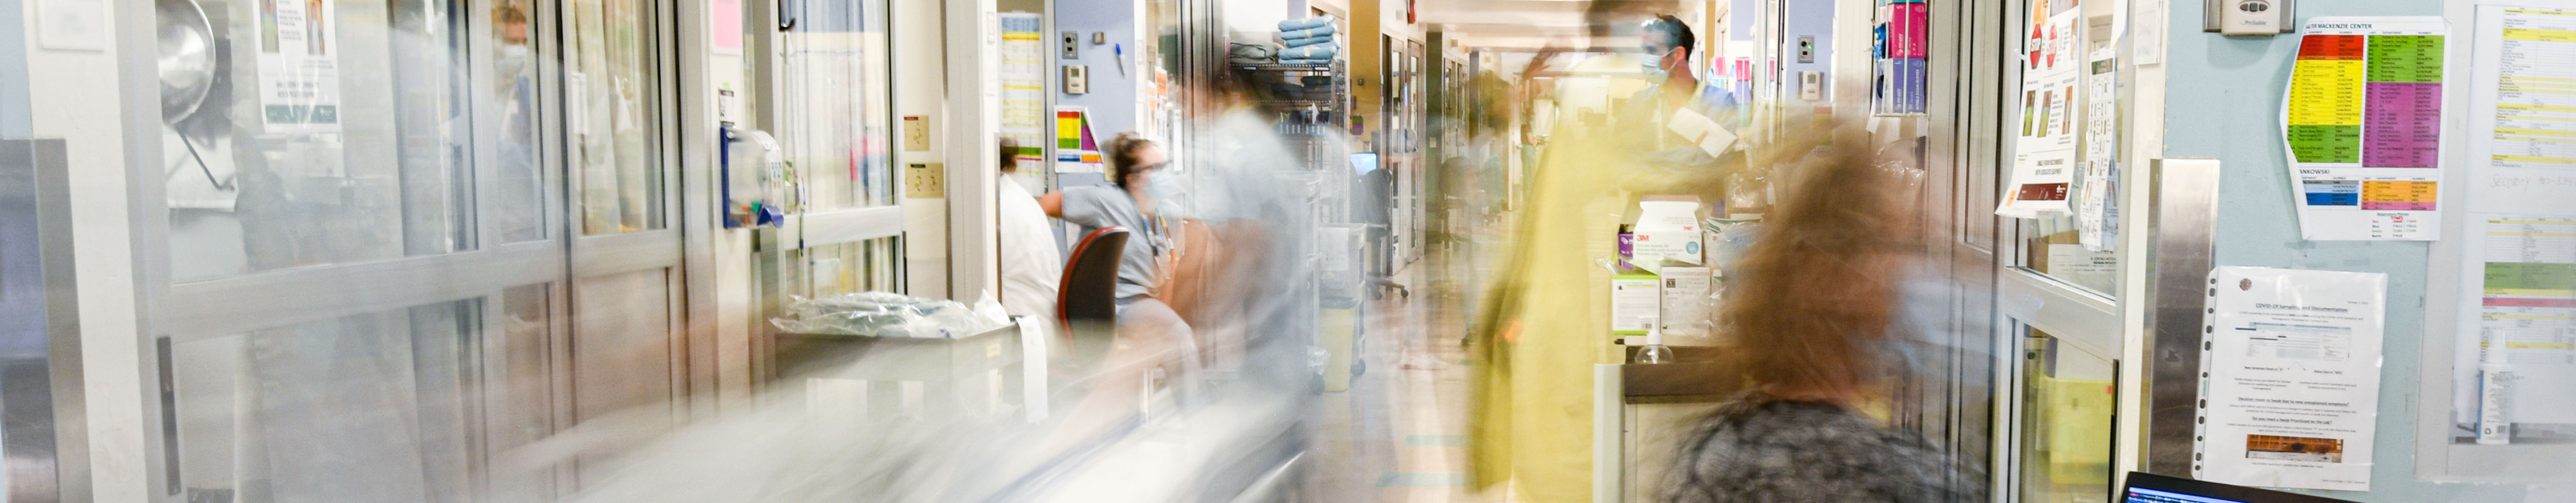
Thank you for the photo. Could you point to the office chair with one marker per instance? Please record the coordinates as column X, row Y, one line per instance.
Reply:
column 1086, row 301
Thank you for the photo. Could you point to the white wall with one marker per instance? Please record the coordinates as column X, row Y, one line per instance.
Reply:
column 111, row 350
column 919, row 58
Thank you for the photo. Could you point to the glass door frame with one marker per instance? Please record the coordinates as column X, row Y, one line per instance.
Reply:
column 172, row 312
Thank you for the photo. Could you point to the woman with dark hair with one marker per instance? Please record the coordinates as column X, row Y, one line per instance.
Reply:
column 1808, row 320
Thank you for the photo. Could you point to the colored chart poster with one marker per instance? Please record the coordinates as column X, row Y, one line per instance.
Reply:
column 1076, row 150
column 2510, row 256
column 2044, row 154
column 1023, row 54
column 2289, row 392
column 299, row 76
column 2363, row 122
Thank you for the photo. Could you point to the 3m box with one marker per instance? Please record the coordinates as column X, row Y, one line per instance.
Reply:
column 1667, row 233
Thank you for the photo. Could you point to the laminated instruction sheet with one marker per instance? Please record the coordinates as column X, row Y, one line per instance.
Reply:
column 2290, row 393
column 2363, row 122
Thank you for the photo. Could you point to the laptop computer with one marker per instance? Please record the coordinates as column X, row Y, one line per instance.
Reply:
column 2152, row 488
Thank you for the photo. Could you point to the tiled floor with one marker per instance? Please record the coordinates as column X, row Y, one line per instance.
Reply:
column 1398, row 434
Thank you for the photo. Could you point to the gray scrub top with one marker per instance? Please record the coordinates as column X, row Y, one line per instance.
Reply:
column 1104, row 205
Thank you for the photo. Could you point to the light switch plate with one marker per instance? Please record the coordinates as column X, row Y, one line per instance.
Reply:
column 916, row 133
column 923, row 180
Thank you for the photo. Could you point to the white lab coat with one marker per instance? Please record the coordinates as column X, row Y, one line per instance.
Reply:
column 1031, row 265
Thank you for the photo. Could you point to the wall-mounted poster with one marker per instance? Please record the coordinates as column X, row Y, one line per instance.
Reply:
column 2362, row 119
column 299, row 78
column 2044, row 152
column 1023, row 54
column 1076, row 149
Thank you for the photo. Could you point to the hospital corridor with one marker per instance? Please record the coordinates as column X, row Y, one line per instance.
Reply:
column 1288, row 251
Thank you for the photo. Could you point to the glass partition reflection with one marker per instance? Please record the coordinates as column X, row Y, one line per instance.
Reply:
column 834, row 97
column 509, row 75
column 2059, row 252
column 369, row 407
column 311, row 133
column 2068, row 399
column 609, row 115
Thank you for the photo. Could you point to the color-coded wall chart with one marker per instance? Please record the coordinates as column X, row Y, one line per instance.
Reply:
column 2362, row 120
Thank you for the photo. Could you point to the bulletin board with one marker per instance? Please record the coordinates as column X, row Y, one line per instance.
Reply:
column 2501, row 296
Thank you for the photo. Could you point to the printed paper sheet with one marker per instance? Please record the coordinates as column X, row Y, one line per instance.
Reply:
column 1024, row 114
column 299, row 72
column 2362, row 118
column 2291, row 397
column 2517, row 260
column 2097, row 206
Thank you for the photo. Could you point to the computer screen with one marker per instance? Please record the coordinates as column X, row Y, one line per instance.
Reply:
column 1364, row 162
column 2153, row 488
column 2142, row 495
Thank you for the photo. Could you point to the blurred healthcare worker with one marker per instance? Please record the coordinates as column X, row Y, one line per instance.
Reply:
column 1812, row 323
column 1031, row 264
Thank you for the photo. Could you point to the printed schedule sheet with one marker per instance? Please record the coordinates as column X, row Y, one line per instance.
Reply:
column 2516, row 303
column 2362, row 120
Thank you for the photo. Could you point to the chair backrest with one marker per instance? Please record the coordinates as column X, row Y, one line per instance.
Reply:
column 1089, row 290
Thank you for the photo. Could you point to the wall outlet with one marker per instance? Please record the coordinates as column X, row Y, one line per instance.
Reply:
column 1806, row 48
column 1072, row 45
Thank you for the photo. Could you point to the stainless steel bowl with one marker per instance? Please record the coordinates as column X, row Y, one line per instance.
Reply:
column 187, row 59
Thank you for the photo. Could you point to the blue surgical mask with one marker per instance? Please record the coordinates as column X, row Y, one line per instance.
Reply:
column 1160, row 185
column 1654, row 66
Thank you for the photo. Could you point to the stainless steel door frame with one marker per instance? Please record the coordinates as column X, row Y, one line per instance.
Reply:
column 41, row 397
column 1952, row 399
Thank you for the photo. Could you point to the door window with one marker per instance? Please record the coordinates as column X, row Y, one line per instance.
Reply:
column 313, row 132
column 611, row 112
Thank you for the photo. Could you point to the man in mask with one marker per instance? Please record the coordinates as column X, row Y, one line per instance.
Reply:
column 1653, row 121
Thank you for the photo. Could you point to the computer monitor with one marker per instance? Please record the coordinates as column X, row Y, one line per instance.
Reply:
column 1363, row 162
column 2153, row 488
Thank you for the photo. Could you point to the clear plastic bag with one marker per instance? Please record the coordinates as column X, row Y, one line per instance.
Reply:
column 888, row 314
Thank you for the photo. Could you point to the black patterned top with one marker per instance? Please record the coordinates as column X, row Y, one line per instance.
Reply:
column 1759, row 449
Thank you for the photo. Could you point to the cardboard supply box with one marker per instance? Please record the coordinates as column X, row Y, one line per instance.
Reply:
column 1686, row 306
column 1635, row 303
column 1667, row 232
column 1909, row 30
